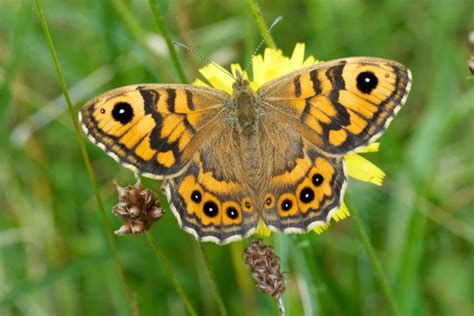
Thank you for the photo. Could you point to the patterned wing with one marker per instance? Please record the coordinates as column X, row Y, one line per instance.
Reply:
column 342, row 104
column 212, row 199
column 299, row 186
column 306, row 195
column 153, row 129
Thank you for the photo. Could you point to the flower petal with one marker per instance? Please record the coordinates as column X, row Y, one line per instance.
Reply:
column 199, row 82
column 262, row 229
column 362, row 169
column 310, row 61
column 320, row 229
column 258, row 70
column 297, row 58
column 370, row 149
column 218, row 77
column 341, row 213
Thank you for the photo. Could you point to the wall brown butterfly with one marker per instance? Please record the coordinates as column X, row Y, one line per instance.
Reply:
column 275, row 154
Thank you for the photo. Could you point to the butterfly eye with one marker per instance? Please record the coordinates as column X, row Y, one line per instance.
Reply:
column 232, row 212
column 122, row 112
column 210, row 209
column 366, row 82
column 306, row 195
column 317, row 179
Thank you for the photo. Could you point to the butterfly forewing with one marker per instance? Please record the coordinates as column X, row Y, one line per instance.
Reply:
column 152, row 129
column 343, row 104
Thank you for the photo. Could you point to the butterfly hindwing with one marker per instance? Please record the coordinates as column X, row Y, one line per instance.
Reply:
column 152, row 129
column 343, row 104
column 212, row 199
column 303, row 186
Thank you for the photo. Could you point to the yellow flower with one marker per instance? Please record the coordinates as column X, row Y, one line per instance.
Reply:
column 274, row 64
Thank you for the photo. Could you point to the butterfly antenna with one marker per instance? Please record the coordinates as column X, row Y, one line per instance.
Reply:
column 275, row 22
column 203, row 58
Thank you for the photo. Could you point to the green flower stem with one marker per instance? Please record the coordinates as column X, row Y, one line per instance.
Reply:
column 170, row 274
column 133, row 309
column 174, row 56
column 375, row 262
column 155, row 9
column 139, row 33
column 247, row 289
column 257, row 14
column 212, row 280
column 282, row 249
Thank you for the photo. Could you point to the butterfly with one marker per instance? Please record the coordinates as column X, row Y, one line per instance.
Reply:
column 274, row 155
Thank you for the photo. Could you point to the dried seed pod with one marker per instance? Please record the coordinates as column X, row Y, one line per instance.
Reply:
column 138, row 207
column 265, row 268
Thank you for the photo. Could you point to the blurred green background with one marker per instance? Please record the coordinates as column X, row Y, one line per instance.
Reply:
column 54, row 254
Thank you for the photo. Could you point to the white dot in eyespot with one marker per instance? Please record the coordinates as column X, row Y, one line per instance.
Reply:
column 367, row 80
column 121, row 111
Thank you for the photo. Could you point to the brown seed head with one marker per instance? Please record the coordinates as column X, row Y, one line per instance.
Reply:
column 138, row 207
column 265, row 268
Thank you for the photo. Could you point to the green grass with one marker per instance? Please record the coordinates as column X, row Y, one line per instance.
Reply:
column 55, row 257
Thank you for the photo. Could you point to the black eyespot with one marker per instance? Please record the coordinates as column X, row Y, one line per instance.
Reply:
column 210, row 209
column 122, row 112
column 306, row 195
column 269, row 201
column 247, row 204
column 232, row 212
column 317, row 179
column 286, row 205
column 366, row 82
column 196, row 196
column 102, row 111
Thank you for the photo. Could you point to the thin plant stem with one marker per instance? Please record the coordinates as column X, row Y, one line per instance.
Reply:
column 281, row 307
column 374, row 261
column 212, row 280
column 85, row 156
column 282, row 250
column 262, row 26
column 164, row 31
column 155, row 9
column 138, row 32
column 170, row 274
column 247, row 289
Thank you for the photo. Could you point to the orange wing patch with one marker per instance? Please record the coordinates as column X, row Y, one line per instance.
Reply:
column 211, row 209
column 148, row 128
column 347, row 102
column 306, row 201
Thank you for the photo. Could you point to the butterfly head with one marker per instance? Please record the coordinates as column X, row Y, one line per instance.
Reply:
column 244, row 101
column 241, row 86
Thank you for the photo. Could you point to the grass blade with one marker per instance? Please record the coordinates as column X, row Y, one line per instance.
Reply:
column 155, row 9
column 212, row 280
column 170, row 274
column 374, row 261
column 85, row 156
column 262, row 26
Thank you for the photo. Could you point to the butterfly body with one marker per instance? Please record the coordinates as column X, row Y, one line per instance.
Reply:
column 274, row 155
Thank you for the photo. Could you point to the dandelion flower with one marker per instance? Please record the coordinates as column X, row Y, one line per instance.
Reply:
column 274, row 64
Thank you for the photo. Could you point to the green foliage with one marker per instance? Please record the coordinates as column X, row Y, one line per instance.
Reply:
column 55, row 258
